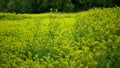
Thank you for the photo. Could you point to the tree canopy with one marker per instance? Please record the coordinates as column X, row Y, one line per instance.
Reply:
column 40, row 6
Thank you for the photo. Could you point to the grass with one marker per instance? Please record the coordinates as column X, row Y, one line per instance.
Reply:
column 88, row 39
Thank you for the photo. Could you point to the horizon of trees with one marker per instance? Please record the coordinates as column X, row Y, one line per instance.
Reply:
column 41, row 6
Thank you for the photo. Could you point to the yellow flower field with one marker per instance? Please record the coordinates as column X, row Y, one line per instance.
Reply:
column 89, row 39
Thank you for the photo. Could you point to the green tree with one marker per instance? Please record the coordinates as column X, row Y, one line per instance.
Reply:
column 14, row 6
column 3, row 5
column 40, row 6
column 67, row 6
column 55, row 4
column 19, row 6
column 25, row 6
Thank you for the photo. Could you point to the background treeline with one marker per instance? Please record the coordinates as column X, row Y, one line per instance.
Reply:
column 40, row 6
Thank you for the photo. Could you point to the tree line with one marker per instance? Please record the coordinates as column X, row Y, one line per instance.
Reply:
column 40, row 6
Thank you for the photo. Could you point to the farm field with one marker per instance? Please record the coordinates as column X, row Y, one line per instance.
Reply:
column 89, row 39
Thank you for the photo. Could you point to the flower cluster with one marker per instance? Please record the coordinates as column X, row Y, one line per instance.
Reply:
column 88, row 39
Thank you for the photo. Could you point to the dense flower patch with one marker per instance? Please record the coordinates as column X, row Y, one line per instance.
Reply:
column 88, row 39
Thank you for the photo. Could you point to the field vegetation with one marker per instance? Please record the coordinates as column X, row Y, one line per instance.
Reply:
column 89, row 39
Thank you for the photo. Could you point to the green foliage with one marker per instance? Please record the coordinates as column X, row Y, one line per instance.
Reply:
column 19, row 6
column 88, row 39
column 42, row 6
column 3, row 5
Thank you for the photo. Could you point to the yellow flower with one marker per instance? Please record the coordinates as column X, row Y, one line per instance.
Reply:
column 97, row 54
column 95, row 62
column 65, row 62
column 91, row 55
